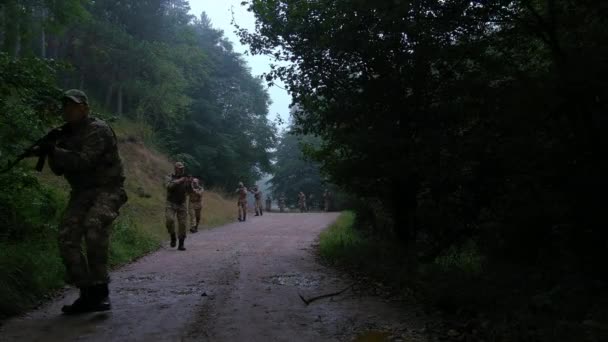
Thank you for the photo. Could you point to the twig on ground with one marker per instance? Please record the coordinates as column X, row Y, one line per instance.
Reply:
column 310, row 300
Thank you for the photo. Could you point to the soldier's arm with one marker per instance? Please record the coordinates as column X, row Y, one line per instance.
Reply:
column 55, row 166
column 95, row 144
column 170, row 182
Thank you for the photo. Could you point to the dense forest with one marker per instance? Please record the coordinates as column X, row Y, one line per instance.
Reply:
column 468, row 128
column 148, row 61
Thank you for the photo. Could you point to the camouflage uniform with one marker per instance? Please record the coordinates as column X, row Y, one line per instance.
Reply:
column 195, row 205
column 242, row 202
column 87, row 156
column 326, row 200
column 302, row 202
column 257, row 195
column 176, row 205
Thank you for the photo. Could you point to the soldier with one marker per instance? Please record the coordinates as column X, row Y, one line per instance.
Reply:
column 195, row 204
column 326, row 199
column 268, row 203
column 242, row 202
column 302, row 201
column 257, row 194
column 87, row 156
column 311, row 202
column 178, row 188
column 282, row 203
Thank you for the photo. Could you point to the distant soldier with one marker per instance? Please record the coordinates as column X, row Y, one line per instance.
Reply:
column 195, row 204
column 268, row 203
column 311, row 202
column 302, row 201
column 242, row 202
column 87, row 156
column 327, row 199
column 282, row 203
column 178, row 188
column 257, row 195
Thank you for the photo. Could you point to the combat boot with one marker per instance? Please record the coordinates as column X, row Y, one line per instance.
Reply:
column 261, row 212
column 80, row 304
column 244, row 217
column 173, row 240
column 181, row 244
column 99, row 299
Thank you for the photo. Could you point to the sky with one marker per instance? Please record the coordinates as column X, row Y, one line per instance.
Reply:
column 219, row 11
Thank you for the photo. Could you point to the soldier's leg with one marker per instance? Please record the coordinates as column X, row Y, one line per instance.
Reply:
column 170, row 214
column 192, row 215
column 71, row 233
column 182, row 217
column 182, row 221
column 98, row 225
column 197, row 213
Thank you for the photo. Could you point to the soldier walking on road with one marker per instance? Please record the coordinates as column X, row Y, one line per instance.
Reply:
column 178, row 188
column 195, row 204
column 268, row 203
column 87, row 156
column 282, row 203
column 302, row 201
column 257, row 194
column 242, row 202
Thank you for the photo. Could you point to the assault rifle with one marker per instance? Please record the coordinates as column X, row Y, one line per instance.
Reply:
column 38, row 149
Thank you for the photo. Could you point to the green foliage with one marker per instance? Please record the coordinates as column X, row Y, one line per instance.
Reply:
column 129, row 241
column 461, row 121
column 340, row 238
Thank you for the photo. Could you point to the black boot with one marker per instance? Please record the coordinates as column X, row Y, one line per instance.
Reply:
column 193, row 229
column 181, row 244
column 173, row 240
column 261, row 213
column 100, row 298
column 80, row 305
column 244, row 217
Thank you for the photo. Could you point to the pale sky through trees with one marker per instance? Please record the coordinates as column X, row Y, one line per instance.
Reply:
column 221, row 16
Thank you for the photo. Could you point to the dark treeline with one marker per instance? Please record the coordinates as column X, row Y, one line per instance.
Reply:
column 462, row 123
column 152, row 62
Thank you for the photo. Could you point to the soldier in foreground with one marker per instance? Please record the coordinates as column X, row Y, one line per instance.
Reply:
column 195, row 204
column 178, row 188
column 242, row 202
column 257, row 195
column 87, row 156
column 268, row 203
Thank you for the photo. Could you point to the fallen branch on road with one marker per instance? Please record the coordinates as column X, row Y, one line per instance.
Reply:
column 310, row 300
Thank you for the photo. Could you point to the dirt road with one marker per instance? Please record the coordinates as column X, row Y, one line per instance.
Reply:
column 239, row 282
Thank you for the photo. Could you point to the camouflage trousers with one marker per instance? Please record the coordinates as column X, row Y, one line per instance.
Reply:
column 89, row 216
column 242, row 205
column 177, row 212
column 194, row 211
column 258, row 206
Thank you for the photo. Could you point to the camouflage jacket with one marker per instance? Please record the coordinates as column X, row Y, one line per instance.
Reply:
column 177, row 192
column 242, row 192
column 196, row 195
column 87, row 156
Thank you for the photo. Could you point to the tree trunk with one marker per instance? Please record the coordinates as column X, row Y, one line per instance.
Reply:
column 109, row 93
column 120, row 99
